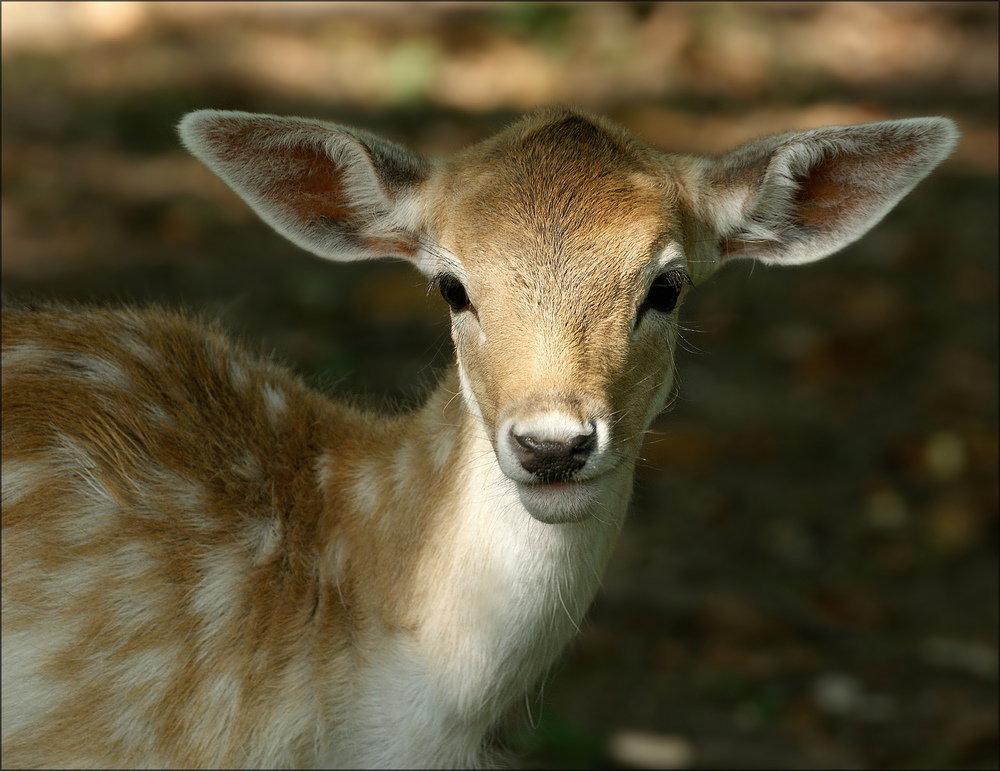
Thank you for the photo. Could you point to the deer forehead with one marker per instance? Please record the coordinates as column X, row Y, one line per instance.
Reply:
column 558, row 217
column 556, row 257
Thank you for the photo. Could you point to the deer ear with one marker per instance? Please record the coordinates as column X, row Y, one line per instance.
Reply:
column 341, row 193
column 799, row 197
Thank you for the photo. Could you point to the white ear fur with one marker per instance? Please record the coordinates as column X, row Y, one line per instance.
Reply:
column 799, row 197
column 341, row 193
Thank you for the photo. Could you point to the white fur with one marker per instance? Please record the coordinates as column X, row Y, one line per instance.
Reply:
column 510, row 583
column 884, row 161
column 145, row 569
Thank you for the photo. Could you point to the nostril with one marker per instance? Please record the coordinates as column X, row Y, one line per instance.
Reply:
column 584, row 444
column 530, row 445
column 553, row 460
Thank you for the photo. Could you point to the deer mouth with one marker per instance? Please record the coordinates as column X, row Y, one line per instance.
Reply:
column 560, row 501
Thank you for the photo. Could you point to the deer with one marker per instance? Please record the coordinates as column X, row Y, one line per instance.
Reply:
column 208, row 563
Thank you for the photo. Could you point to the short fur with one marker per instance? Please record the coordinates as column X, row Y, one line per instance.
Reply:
column 208, row 564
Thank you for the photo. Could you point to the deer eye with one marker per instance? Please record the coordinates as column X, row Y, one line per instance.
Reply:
column 664, row 293
column 453, row 292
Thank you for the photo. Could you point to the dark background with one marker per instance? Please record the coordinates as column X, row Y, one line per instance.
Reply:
column 809, row 573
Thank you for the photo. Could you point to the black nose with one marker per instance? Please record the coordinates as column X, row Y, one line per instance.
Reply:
column 553, row 460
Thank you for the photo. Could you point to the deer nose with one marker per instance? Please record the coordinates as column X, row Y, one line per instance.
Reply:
column 553, row 460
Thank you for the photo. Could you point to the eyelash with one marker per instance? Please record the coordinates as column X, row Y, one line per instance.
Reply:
column 452, row 291
column 663, row 293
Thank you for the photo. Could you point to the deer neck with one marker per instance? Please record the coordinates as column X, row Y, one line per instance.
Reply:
column 498, row 592
column 468, row 598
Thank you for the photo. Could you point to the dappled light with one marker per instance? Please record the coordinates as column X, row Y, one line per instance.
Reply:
column 808, row 575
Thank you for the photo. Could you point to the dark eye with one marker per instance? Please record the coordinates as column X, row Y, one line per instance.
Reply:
column 453, row 292
column 664, row 293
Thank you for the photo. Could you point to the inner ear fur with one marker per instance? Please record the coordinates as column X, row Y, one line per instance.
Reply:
column 798, row 197
column 341, row 193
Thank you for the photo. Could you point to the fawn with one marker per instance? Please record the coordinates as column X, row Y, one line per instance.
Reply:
column 206, row 563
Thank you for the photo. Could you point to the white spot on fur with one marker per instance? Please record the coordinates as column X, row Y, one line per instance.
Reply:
column 442, row 449
column 77, row 463
column 264, row 539
column 248, row 467
column 186, row 496
column 140, row 349
column 402, row 466
column 20, row 477
column 275, row 402
column 220, row 589
column 237, row 373
column 366, row 487
column 145, row 675
column 334, row 565
column 133, row 563
column 24, row 357
column 157, row 413
column 215, row 706
column 98, row 370
column 28, row 694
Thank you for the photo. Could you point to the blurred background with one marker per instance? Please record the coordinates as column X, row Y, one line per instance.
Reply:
column 808, row 577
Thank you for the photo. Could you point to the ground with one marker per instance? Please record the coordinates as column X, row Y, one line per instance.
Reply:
column 808, row 576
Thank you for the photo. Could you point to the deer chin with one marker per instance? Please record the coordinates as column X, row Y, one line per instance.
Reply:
column 244, row 508
column 556, row 503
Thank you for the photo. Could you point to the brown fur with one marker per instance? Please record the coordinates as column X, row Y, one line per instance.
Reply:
column 207, row 564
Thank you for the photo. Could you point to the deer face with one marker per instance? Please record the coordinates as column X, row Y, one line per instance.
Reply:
column 563, row 267
column 563, row 246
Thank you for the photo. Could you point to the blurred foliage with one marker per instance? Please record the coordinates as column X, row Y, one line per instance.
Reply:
column 809, row 575
column 543, row 23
